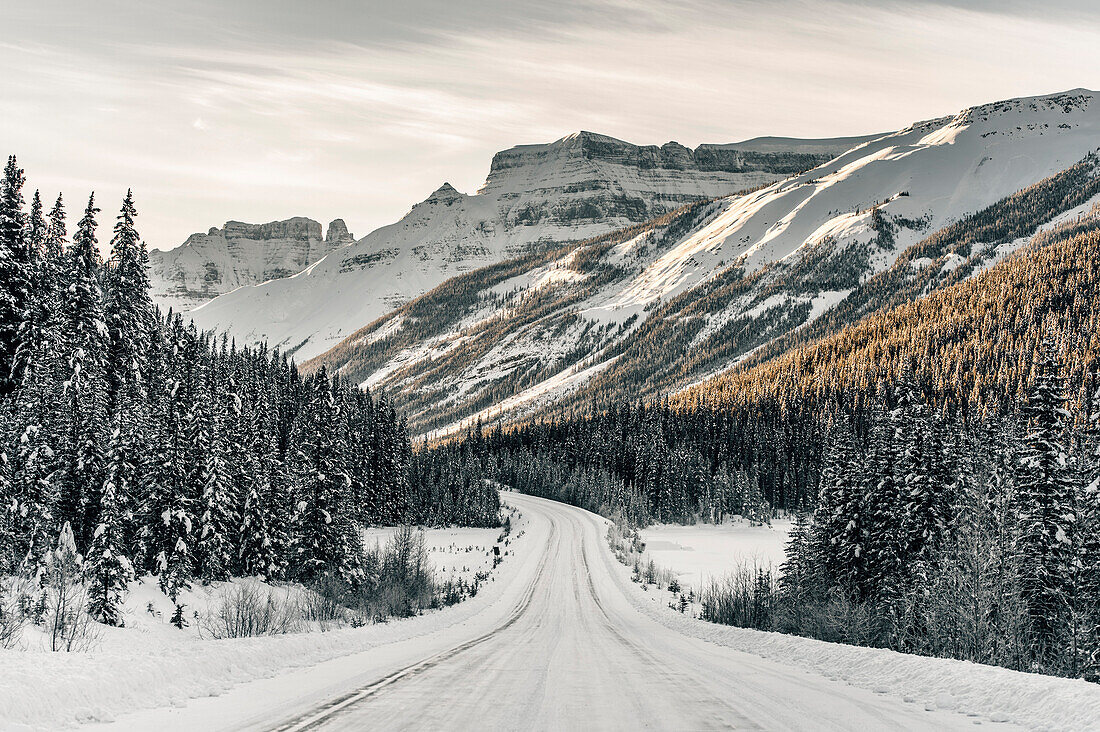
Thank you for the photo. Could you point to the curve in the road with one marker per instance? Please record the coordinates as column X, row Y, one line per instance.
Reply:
column 575, row 653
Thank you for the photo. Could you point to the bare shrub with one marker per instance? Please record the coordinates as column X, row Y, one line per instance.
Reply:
column 12, row 617
column 324, row 602
column 837, row 618
column 399, row 579
column 250, row 609
column 745, row 597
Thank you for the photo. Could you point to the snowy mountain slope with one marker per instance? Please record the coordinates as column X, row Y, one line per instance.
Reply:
column 658, row 306
column 534, row 197
column 789, row 144
column 238, row 254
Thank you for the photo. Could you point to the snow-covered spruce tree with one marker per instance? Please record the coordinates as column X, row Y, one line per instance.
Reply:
column 390, row 485
column 36, row 420
column 363, row 467
column 107, row 569
column 369, row 427
column 128, row 311
column 837, row 537
column 84, row 338
column 39, row 293
column 214, row 548
column 130, row 319
column 40, row 335
column 925, row 482
column 167, row 511
column 37, row 227
column 262, row 539
column 1045, row 492
column 920, row 449
column 1087, row 567
column 15, row 270
column 33, row 493
column 325, row 538
column 257, row 553
column 799, row 580
column 884, row 507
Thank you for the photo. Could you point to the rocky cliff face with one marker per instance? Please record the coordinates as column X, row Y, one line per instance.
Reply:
column 535, row 196
column 338, row 235
column 239, row 254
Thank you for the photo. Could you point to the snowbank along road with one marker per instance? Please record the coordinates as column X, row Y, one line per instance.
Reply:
column 562, row 647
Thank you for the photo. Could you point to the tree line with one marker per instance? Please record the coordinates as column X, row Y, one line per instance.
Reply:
column 968, row 537
column 153, row 448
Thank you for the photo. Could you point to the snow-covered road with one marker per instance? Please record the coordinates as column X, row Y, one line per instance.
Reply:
column 563, row 646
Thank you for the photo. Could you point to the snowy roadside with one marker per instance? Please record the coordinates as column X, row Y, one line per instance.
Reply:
column 983, row 692
column 152, row 664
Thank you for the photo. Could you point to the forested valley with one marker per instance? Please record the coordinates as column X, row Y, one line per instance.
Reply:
column 941, row 457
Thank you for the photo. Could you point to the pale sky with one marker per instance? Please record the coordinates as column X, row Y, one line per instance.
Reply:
column 262, row 109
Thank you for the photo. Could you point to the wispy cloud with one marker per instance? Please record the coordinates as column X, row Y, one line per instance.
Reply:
column 257, row 110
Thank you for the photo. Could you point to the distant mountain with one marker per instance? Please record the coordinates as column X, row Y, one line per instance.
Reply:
column 239, row 254
column 657, row 307
column 535, row 197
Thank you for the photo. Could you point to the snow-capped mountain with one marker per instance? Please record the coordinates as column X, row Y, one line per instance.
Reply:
column 239, row 254
column 666, row 304
column 535, row 196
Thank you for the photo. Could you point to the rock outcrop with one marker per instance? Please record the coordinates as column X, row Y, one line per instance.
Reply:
column 239, row 254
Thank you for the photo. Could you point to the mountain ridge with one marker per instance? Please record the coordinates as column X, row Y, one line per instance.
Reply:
column 534, row 197
column 732, row 275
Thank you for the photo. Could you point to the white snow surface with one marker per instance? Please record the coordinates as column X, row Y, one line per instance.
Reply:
column 562, row 640
column 704, row 552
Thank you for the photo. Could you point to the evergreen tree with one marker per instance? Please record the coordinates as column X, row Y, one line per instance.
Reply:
column 325, row 540
column 837, row 538
column 84, row 338
column 15, row 271
column 214, row 549
column 35, row 314
column 1045, row 492
column 884, row 507
column 107, row 568
column 128, row 310
column 1087, row 566
column 168, row 506
column 262, row 545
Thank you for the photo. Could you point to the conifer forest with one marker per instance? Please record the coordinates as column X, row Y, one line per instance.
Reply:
column 155, row 449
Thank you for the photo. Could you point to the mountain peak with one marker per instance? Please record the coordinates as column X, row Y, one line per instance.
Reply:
column 446, row 193
column 338, row 234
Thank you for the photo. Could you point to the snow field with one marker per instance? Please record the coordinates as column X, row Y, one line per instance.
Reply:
column 704, row 552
